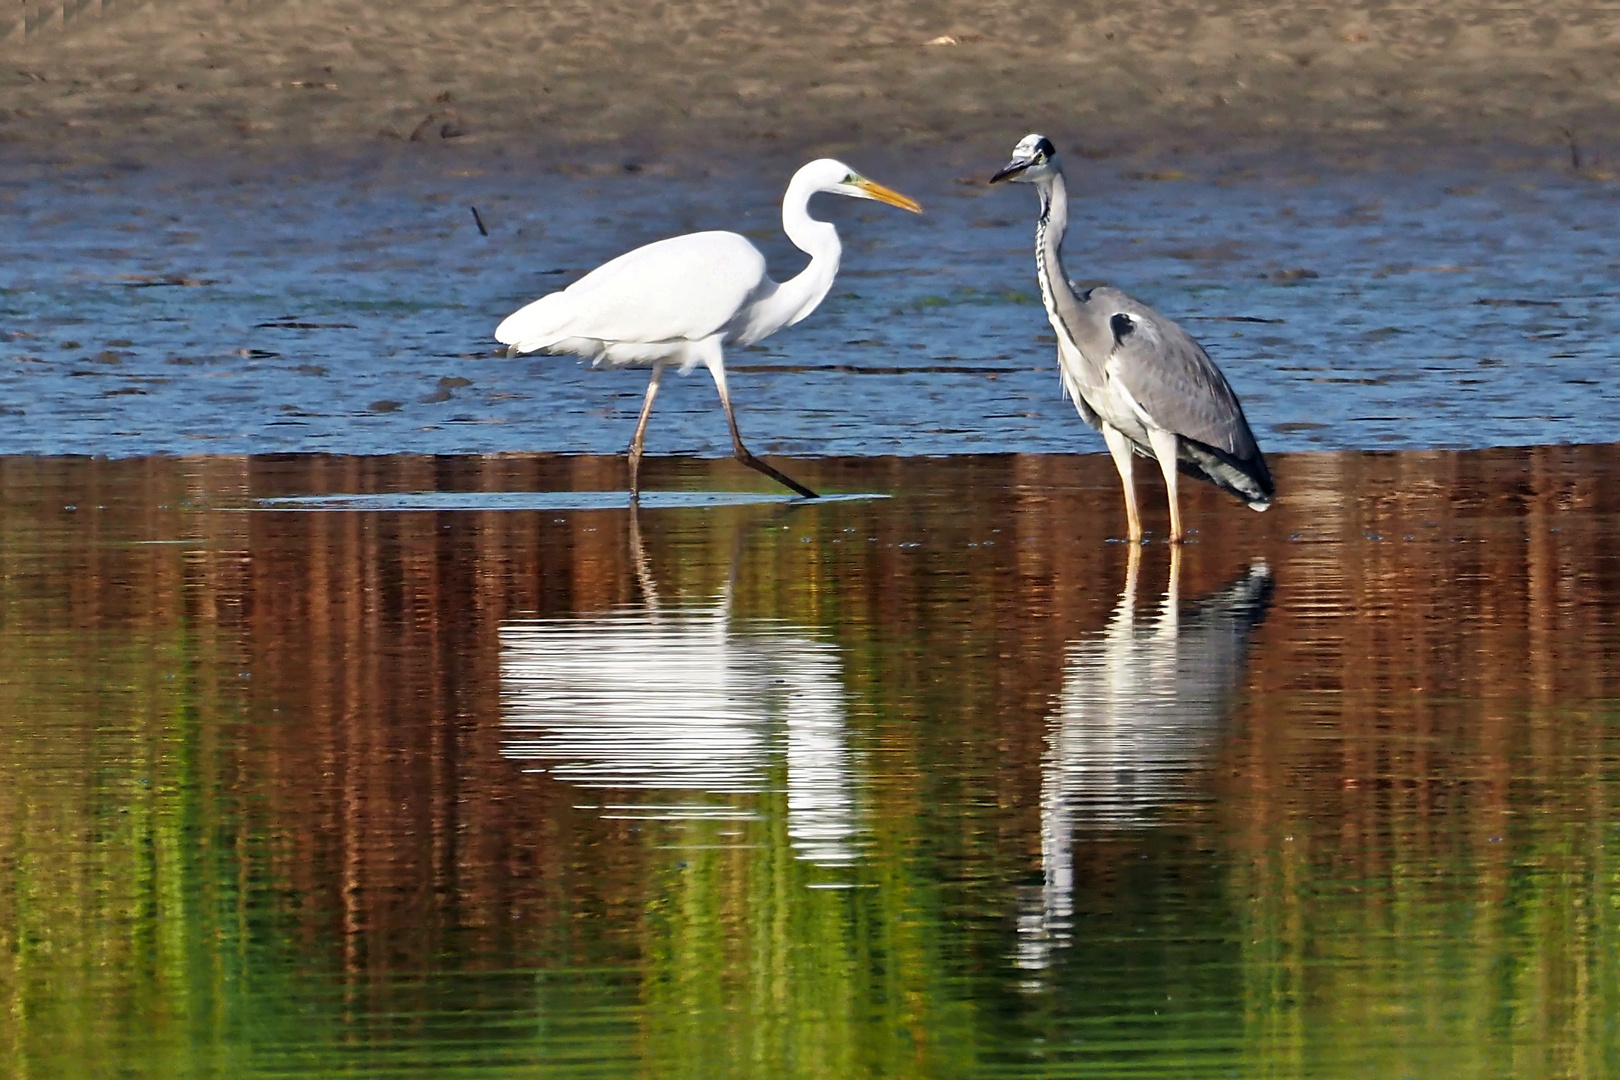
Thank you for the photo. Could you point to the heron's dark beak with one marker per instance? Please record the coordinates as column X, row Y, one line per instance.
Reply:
column 1011, row 169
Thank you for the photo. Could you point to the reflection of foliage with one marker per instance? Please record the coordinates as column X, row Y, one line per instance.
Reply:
column 1479, row 941
column 114, row 948
column 758, row 964
column 92, row 793
column 255, row 817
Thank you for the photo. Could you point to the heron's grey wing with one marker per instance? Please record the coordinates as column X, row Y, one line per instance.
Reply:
column 1173, row 380
column 1179, row 389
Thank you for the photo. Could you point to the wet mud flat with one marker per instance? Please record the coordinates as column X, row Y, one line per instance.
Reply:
column 699, row 787
column 716, row 78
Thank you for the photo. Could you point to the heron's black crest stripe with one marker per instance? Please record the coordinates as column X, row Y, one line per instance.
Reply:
column 1122, row 325
column 1045, row 149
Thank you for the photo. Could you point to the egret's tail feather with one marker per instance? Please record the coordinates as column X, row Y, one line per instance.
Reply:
column 535, row 325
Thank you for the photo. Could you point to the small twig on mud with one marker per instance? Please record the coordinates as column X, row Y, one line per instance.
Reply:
column 1574, row 149
column 479, row 221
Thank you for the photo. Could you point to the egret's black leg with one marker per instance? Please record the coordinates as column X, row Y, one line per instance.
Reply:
column 742, row 452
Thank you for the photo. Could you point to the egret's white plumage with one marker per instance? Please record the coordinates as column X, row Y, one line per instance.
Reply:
column 640, row 306
column 681, row 301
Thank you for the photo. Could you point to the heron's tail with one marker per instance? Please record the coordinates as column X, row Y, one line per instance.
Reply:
column 1246, row 478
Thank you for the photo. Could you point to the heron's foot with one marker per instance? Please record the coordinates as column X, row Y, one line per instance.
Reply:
column 753, row 462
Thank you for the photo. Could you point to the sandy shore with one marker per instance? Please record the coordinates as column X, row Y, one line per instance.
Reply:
column 658, row 79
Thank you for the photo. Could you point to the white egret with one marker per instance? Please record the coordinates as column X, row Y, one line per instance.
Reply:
column 682, row 300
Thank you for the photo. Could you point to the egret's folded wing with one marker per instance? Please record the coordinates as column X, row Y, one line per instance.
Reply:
column 684, row 288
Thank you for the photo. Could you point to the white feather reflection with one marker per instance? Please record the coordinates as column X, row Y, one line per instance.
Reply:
column 1141, row 707
column 686, row 700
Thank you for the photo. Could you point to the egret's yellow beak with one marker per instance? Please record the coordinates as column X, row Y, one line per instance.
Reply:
column 893, row 198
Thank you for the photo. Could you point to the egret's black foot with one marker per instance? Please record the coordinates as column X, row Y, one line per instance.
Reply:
column 786, row 481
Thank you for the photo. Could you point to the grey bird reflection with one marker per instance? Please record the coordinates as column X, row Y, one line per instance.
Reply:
column 1141, row 708
column 689, row 701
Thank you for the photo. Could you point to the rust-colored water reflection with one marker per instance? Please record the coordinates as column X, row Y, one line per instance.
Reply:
column 945, row 783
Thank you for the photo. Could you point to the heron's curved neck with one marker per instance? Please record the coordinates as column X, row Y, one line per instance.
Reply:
column 1049, row 230
column 800, row 294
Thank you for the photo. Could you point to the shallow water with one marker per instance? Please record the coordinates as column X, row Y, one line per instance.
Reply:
column 348, row 307
column 964, row 789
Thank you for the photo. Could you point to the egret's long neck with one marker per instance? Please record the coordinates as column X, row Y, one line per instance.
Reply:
column 1049, row 232
column 800, row 294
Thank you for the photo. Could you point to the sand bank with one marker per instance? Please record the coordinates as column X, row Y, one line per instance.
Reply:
column 735, row 78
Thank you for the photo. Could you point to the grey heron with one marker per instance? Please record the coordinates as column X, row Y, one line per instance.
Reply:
column 1132, row 373
column 681, row 300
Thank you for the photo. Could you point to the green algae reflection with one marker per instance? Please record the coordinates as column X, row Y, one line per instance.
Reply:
column 263, row 816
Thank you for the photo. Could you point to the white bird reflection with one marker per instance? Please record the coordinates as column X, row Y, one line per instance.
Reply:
column 1141, row 707
column 686, row 700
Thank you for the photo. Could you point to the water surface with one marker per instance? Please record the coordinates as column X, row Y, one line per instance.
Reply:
column 964, row 789
column 348, row 307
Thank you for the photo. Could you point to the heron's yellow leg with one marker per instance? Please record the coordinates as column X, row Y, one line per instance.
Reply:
column 1164, row 448
column 1120, row 447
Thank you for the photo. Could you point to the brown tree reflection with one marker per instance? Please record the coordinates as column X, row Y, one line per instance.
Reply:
column 258, row 763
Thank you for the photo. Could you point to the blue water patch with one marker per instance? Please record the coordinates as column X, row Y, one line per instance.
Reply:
column 541, row 500
column 351, row 311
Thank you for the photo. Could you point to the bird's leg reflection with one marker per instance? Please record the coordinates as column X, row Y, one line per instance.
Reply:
column 1142, row 707
column 1123, row 611
column 641, row 431
column 717, row 369
column 1045, row 922
column 1170, row 610
column 638, row 552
